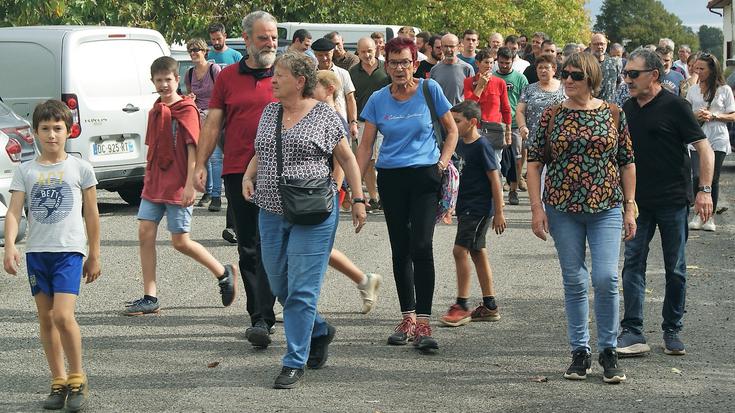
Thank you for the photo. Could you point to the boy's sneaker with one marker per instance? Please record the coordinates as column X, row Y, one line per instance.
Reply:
column 374, row 206
column 228, row 234
column 609, row 362
column 142, row 306
column 482, row 313
column 581, row 365
column 456, row 316
column 228, row 285
column 672, row 344
column 288, row 378
column 259, row 335
column 422, row 339
column 319, row 350
column 370, row 293
column 57, row 398
column 631, row 343
column 78, row 395
column 215, row 205
column 204, row 200
column 404, row 332
column 513, row 198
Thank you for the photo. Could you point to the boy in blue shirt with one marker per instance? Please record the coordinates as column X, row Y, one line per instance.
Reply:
column 480, row 199
column 60, row 193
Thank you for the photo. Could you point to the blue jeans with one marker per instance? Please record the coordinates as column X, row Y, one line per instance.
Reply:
column 214, row 173
column 672, row 225
column 571, row 232
column 295, row 258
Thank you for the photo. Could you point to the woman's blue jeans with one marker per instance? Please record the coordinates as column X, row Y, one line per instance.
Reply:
column 571, row 233
column 295, row 258
column 214, row 173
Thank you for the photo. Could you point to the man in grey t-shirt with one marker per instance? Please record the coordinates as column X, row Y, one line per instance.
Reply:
column 451, row 72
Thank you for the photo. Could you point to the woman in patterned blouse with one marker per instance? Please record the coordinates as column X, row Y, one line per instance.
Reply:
column 295, row 256
column 590, row 174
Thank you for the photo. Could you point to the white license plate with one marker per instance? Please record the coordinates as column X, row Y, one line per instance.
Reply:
column 113, row 148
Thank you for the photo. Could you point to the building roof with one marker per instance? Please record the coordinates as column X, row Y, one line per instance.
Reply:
column 718, row 4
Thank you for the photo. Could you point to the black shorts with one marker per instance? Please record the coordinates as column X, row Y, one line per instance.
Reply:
column 471, row 231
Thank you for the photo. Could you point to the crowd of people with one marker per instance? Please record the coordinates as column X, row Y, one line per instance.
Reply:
column 608, row 145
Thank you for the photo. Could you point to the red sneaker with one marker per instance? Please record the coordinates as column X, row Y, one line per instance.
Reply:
column 482, row 313
column 456, row 316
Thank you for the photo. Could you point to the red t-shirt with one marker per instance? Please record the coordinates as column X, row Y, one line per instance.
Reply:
column 167, row 186
column 494, row 102
column 242, row 97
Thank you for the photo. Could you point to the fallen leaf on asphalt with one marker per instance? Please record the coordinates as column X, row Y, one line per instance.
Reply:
column 692, row 267
column 676, row 371
column 372, row 401
column 649, row 290
column 639, row 400
column 539, row 379
column 213, row 364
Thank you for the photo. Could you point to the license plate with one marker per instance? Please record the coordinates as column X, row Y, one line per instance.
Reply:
column 113, row 148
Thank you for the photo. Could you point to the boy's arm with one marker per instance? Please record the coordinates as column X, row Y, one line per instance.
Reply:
column 91, row 268
column 497, row 188
column 11, row 261
column 189, row 195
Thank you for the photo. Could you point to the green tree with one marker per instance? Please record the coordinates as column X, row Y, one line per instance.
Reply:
column 711, row 40
column 642, row 22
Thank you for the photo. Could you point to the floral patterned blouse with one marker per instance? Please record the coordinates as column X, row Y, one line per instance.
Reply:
column 586, row 154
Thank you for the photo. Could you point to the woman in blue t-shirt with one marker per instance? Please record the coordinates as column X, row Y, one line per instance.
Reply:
column 410, row 167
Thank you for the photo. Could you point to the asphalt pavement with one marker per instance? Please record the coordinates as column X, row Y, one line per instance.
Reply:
column 193, row 356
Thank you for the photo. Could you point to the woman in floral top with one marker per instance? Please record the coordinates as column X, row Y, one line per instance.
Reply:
column 591, row 157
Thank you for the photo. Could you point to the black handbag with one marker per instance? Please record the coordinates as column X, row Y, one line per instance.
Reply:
column 304, row 201
column 494, row 132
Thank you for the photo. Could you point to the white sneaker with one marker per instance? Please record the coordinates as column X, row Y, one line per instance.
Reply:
column 709, row 225
column 369, row 294
column 279, row 317
column 695, row 223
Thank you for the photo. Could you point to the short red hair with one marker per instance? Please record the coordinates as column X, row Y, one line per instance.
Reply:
column 396, row 44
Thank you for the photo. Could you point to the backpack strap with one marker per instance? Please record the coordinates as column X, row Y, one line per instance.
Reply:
column 549, row 127
column 615, row 110
column 189, row 75
column 432, row 111
column 211, row 71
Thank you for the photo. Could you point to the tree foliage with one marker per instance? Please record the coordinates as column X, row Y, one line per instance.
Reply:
column 642, row 22
column 564, row 20
column 711, row 40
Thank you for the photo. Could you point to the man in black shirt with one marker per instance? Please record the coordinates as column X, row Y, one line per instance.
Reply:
column 436, row 55
column 661, row 125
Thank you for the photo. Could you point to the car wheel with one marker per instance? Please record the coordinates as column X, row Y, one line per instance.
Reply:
column 131, row 193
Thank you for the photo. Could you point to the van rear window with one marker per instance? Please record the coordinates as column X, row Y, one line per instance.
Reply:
column 27, row 69
column 113, row 68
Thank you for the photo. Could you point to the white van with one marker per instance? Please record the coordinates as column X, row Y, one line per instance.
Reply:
column 103, row 75
column 350, row 33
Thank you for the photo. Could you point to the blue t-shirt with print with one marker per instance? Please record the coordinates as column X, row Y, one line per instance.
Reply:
column 408, row 133
column 228, row 57
column 671, row 81
column 476, row 159
column 470, row 61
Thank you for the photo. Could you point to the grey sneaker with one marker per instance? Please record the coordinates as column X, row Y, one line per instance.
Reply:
column 370, row 293
column 673, row 344
column 288, row 378
column 78, row 396
column 228, row 234
column 215, row 205
column 513, row 198
column 259, row 335
column 228, row 285
column 57, row 398
column 631, row 343
column 319, row 349
column 142, row 306
column 204, row 200
column 609, row 362
column 581, row 365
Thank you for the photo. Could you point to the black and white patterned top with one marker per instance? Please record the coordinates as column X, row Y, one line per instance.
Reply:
column 307, row 149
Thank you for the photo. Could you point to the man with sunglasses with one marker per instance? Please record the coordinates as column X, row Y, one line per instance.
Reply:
column 661, row 125
column 451, row 72
column 611, row 68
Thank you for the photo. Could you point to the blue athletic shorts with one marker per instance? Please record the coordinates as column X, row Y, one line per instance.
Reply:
column 54, row 272
column 178, row 218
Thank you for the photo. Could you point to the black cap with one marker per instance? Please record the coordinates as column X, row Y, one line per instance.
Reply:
column 322, row 45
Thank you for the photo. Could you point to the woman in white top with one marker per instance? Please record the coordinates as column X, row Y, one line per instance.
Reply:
column 713, row 105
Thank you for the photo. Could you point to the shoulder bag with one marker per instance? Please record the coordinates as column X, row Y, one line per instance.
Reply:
column 304, row 201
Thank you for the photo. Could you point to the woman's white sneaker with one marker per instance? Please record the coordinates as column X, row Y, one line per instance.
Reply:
column 695, row 223
column 709, row 225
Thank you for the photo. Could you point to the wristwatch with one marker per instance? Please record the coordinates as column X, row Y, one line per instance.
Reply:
column 705, row 188
column 358, row 201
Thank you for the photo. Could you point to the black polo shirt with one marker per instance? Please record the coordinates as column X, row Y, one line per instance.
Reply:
column 366, row 84
column 660, row 132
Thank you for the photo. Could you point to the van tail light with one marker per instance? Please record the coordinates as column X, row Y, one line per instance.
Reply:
column 13, row 149
column 71, row 101
column 22, row 132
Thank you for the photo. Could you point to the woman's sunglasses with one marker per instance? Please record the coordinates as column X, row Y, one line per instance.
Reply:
column 633, row 74
column 576, row 76
column 195, row 50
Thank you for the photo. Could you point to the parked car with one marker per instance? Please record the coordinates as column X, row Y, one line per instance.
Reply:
column 17, row 141
column 103, row 75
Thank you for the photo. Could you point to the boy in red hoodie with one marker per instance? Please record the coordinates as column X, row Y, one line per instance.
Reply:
column 168, row 187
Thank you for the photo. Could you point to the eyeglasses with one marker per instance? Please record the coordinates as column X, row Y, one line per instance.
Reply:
column 576, row 76
column 403, row 64
column 633, row 74
column 195, row 50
